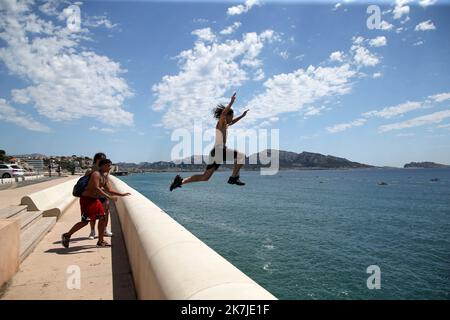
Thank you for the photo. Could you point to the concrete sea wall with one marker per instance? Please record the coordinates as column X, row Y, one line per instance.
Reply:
column 169, row 262
column 52, row 201
column 9, row 248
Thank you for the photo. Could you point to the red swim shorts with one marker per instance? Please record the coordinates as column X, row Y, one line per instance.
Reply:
column 91, row 209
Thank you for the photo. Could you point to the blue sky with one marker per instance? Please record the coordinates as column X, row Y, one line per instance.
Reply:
column 136, row 71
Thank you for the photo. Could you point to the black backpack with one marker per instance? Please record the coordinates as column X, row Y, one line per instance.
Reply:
column 80, row 186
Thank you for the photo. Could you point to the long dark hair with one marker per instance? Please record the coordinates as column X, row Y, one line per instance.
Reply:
column 217, row 111
column 99, row 156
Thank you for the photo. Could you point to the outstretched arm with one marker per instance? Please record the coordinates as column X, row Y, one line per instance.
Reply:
column 239, row 118
column 109, row 188
column 225, row 111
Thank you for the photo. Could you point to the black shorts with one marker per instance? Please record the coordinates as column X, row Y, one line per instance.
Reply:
column 103, row 199
column 215, row 162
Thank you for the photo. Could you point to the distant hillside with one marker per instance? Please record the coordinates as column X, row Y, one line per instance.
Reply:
column 288, row 160
column 313, row 160
column 31, row 155
column 425, row 165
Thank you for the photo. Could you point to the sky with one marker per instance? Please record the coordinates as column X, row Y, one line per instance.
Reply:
column 130, row 74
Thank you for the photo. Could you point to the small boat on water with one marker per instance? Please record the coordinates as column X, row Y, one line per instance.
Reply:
column 382, row 183
column 434, row 179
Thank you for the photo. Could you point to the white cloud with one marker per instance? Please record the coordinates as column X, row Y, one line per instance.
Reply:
column 65, row 81
column 10, row 114
column 426, row 3
column 313, row 111
column 205, row 34
column 207, row 72
column 444, row 126
column 405, row 20
column 390, row 112
column 401, row 109
column 98, row 21
column 377, row 75
column 103, row 130
column 274, row 119
column 243, row 8
column 358, row 40
column 298, row 90
column 364, row 57
column 284, row 55
column 230, row 29
column 259, row 75
column 361, row 55
column 270, row 36
column 200, row 20
column 378, row 42
column 50, row 7
column 337, row 56
column 14, row 6
column 344, row 126
column 401, row 9
column 440, row 97
column 384, row 25
column 432, row 118
column 393, row 111
column 337, row 6
column 425, row 26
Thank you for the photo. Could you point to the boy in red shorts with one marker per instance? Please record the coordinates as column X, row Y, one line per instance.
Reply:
column 91, row 207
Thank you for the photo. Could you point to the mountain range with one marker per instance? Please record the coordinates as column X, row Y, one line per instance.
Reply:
column 287, row 160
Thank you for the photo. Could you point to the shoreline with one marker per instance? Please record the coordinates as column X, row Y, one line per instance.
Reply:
column 289, row 169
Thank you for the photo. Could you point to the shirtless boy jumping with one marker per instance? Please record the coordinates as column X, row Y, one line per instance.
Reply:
column 220, row 152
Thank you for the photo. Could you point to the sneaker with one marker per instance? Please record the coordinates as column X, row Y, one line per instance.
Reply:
column 65, row 239
column 92, row 235
column 176, row 182
column 236, row 181
column 108, row 233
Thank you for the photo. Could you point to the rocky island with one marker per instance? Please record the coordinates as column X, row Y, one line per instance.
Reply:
column 425, row 165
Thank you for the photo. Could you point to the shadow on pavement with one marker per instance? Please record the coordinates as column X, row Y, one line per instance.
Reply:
column 72, row 250
column 123, row 285
column 76, row 239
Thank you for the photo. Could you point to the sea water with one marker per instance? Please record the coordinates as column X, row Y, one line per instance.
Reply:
column 313, row 234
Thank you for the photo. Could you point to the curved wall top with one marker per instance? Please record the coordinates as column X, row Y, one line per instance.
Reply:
column 169, row 262
column 53, row 200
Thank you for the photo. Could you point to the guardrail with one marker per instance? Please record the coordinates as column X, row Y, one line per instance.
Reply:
column 20, row 179
column 169, row 262
column 7, row 180
column 37, row 177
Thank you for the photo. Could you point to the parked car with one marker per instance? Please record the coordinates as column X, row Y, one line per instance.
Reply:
column 10, row 170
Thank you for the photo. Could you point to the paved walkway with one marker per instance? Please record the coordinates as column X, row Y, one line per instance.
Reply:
column 104, row 272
